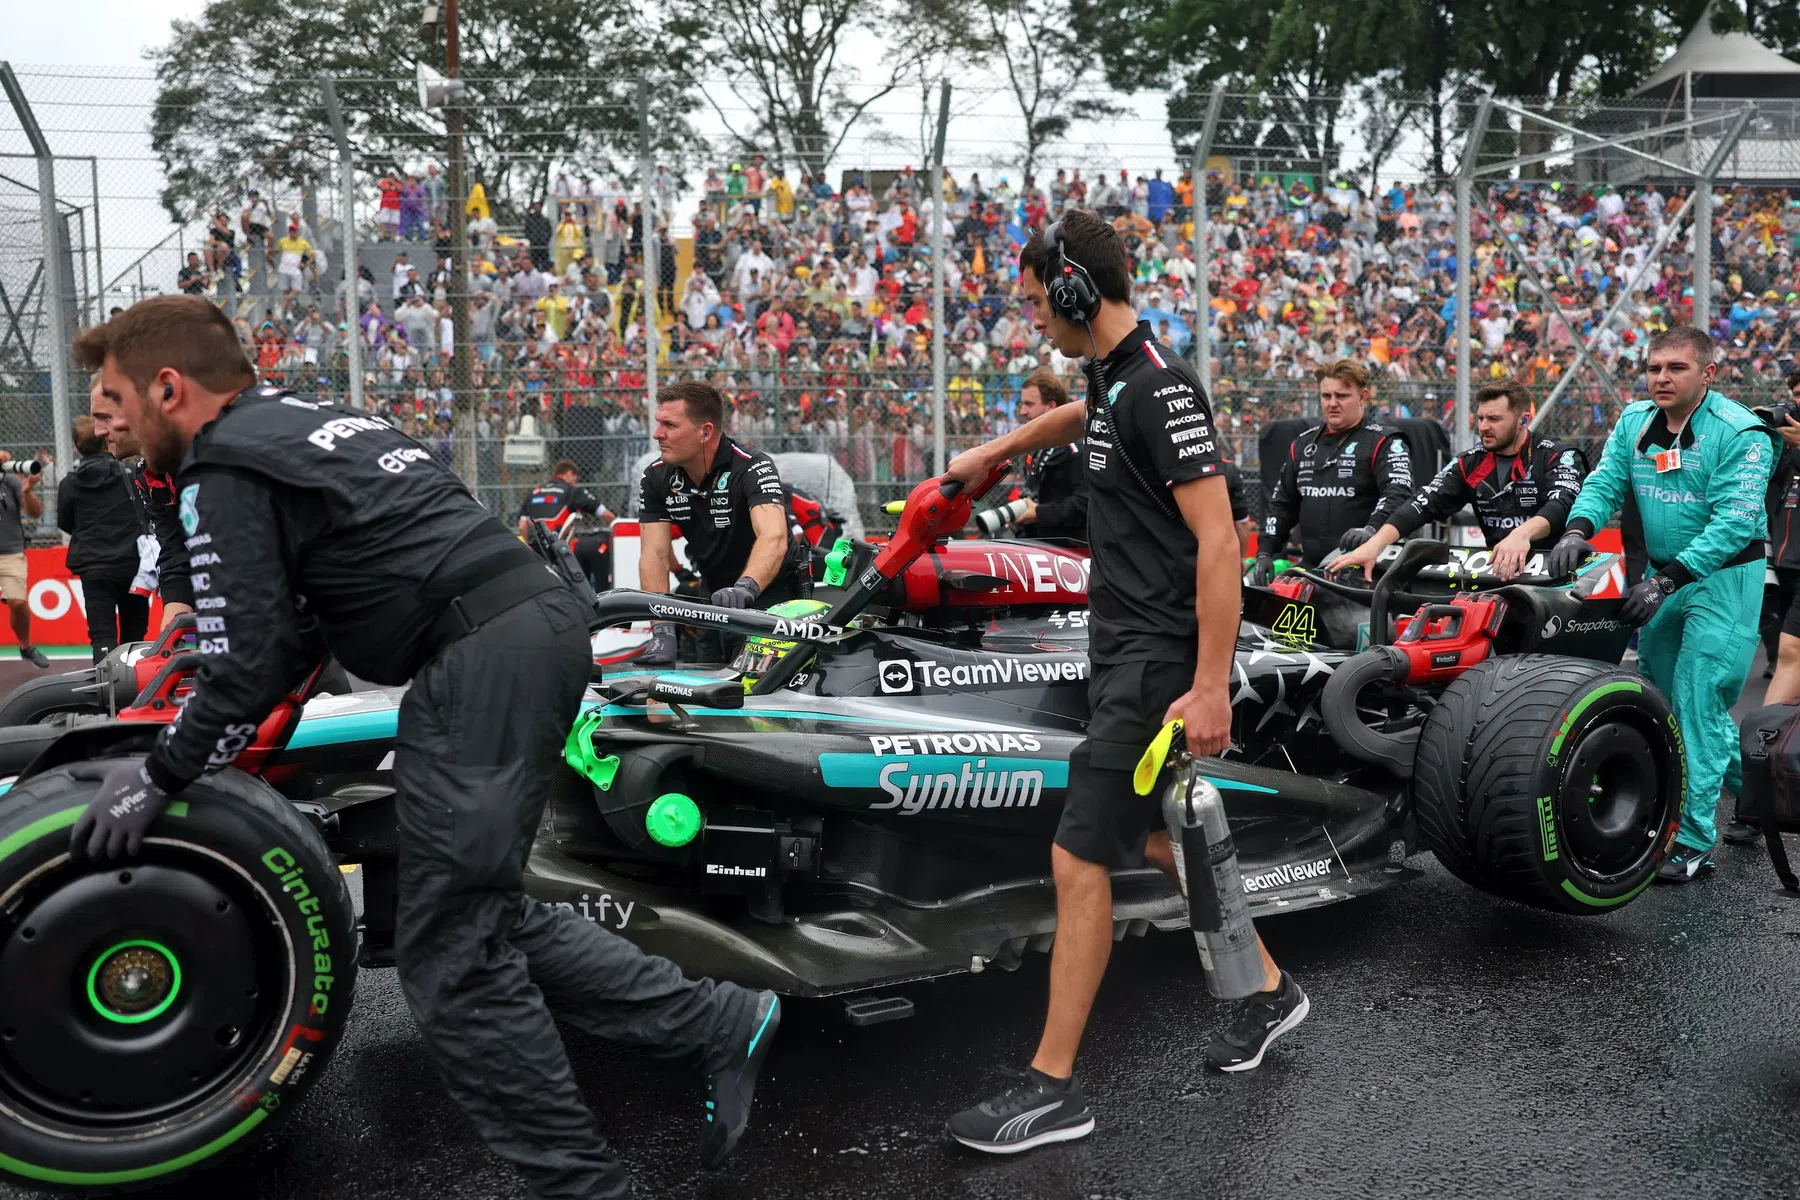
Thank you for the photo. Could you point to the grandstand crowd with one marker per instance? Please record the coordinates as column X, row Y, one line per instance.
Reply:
column 809, row 304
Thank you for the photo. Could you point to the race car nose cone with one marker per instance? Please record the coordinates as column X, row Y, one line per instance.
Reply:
column 673, row 819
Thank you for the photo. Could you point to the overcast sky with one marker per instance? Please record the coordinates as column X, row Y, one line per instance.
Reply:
column 107, row 33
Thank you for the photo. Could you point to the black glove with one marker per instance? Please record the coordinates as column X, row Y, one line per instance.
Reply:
column 1355, row 537
column 741, row 594
column 1569, row 553
column 1263, row 571
column 659, row 651
column 1642, row 601
column 121, row 812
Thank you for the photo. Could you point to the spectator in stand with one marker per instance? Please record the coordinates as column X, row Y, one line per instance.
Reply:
column 436, row 206
column 193, row 278
column 256, row 220
column 387, row 216
column 293, row 256
column 413, row 222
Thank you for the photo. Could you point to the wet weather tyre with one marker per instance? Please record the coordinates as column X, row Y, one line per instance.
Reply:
column 159, row 1012
column 1555, row 782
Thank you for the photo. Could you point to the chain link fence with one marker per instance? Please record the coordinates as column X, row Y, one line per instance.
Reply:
column 616, row 241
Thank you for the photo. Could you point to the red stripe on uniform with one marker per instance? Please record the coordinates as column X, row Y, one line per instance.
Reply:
column 1150, row 349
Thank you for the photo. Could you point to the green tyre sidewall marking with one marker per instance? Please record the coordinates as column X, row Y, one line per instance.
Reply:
column 108, row 1178
column 236, row 823
column 1551, row 782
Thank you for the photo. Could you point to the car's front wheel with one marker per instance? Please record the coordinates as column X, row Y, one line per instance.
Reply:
column 1556, row 782
column 159, row 1011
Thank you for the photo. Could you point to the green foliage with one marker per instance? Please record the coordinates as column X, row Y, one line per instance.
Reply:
column 239, row 98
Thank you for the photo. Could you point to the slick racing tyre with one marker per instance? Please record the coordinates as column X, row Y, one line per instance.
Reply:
column 39, row 701
column 159, row 1011
column 1556, row 782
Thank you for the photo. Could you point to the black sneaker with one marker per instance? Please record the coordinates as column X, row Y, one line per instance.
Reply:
column 1740, row 834
column 729, row 1091
column 34, row 656
column 1686, row 865
column 1033, row 1111
column 1261, row 1019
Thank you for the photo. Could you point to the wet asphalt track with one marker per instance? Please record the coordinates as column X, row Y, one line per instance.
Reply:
column 1459, row 1046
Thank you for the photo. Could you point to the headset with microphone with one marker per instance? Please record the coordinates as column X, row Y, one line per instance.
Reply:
column 1069, row 288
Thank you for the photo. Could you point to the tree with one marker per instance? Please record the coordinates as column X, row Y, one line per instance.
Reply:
column 800, row 102
column 1046, row 64
column 548, row 81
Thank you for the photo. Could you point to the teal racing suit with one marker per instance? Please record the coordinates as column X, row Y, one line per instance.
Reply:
column 1704, row 525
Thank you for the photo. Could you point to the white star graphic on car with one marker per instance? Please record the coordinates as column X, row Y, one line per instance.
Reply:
column 1244, row 688
column 1281, row 705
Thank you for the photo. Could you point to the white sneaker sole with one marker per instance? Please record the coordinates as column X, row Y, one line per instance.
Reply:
column 1291, row 1020
column 1071, row 1133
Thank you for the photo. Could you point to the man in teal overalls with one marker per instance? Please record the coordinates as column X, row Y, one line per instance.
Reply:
column 1698, row 464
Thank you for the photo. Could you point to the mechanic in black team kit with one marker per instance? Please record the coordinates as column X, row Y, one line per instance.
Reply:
column 1342, row 479
column 409, row 579
column 730, row 507
column 1521, row 486
column 1055, row 479
column 1163, row 604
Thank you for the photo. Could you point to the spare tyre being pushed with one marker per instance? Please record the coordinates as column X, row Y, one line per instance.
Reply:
column 1556, row 782
column 158, row 1011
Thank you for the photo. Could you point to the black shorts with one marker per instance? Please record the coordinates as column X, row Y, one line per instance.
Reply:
column 257, row 231
column 1104, row 820
column 1787, row 597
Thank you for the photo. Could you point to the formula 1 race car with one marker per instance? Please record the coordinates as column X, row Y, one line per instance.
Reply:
column 864, row 800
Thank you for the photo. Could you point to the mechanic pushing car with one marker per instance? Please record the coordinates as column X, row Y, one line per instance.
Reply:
column 1055, row 480
column 162, row 547
column 1342, row 479
column 409, row 579
column 1521, row 487
column 1163, row 602
column 1698, row 464
column 729, row 504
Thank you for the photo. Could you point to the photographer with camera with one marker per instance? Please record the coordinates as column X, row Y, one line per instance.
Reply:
column 1055, row 480
column 18, row 500
column 1698, row 464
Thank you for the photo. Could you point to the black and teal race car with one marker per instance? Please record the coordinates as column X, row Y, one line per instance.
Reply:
column 865, row 798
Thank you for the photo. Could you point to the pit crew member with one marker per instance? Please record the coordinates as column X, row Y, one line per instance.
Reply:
column 1163, row 605
column 162, row 547
column 1698, row 464
column 559, row 499
column 1784, row 535
column 1520, row 486
column 1342, row 479
column 1055, row 480
column 409, row 578
column 729, row 504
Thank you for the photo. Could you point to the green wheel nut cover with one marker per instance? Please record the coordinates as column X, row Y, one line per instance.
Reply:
column 673, row 819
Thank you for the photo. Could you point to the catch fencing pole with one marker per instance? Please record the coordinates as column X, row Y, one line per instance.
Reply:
column 647, row 304
column 1203, row 243
column 939, row 335
column 56, row 317
column 1461, row 435
column 353, row 342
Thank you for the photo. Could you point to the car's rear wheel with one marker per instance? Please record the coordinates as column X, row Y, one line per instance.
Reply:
column 40, row 700
column 159, row 1011
column 1556, row 782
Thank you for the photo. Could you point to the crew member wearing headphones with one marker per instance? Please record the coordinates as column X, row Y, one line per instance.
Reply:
column 729, row 504
column 1055, row 479
column 1163, row 603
